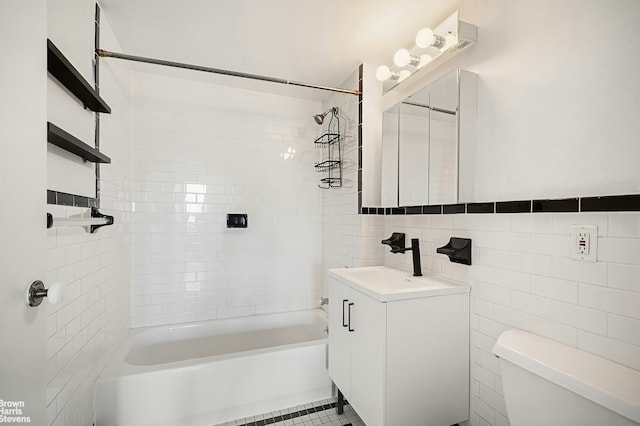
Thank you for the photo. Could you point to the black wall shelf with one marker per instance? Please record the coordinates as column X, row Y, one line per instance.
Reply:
column 68, row 142
column 60, row 68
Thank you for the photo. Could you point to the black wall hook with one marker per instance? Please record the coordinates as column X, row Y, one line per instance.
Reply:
column 458, row 250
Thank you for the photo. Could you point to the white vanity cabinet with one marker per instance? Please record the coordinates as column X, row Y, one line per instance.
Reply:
column 359, row 334
column 400, row 360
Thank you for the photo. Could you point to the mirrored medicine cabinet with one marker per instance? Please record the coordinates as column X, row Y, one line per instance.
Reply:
column 428, row 144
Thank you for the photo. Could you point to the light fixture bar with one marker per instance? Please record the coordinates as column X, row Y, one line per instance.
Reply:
column 432, row 48
column 108, row 54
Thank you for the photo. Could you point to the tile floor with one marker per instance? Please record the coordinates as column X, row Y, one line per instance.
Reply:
column 319, row 413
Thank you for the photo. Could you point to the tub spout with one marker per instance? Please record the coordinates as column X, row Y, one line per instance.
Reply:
column 324, row 301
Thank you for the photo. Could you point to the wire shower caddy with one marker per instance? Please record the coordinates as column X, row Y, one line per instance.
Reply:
column 331, row 163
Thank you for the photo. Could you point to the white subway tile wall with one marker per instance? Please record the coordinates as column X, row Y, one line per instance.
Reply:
column 85, row 329
column 82, row 331
column 522, row 277
column 348, row 239
column 203, row 150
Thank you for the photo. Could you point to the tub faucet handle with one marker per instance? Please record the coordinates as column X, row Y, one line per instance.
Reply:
column 395, row 241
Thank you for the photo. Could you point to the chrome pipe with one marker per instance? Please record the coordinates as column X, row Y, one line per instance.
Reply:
column 107, row 54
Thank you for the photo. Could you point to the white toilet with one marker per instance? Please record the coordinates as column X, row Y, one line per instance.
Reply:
column 547, row 383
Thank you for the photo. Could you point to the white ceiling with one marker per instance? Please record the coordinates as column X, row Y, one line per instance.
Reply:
column 318, row 42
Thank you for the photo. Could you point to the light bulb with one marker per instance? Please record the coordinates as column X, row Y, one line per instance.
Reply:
column 402, row 58
column 383, row 73
column 425, row 38
column 450, row 41
column 424, row 60
column 404, row 74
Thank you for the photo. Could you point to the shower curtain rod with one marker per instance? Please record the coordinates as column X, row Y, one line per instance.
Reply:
column 107, row 54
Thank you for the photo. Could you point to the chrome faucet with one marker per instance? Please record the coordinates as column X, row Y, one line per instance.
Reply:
column 396, row 242
column 324, row 301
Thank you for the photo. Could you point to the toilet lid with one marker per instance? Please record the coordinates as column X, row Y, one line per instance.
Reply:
column 600, row 380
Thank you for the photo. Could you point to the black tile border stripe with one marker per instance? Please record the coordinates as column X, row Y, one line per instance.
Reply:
column 513, row 206
column 556, row 206
column 51, row 197
column 453, row 208
column 295, row 414
column 436, row 209
column 65, row 199
column 360, row 96
column 481, row 208
column 614, row 203
column 610, row 203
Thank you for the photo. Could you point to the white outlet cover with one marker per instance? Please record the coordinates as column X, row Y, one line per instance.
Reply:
column 584, row 243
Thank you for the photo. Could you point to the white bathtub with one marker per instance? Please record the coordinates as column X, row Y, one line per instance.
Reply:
column 212, row 372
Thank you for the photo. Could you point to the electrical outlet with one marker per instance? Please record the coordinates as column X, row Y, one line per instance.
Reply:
column 584, row 242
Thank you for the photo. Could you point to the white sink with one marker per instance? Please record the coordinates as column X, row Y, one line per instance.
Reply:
column 387, row 284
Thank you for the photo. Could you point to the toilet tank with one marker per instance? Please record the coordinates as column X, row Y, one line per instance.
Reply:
column 547, row 383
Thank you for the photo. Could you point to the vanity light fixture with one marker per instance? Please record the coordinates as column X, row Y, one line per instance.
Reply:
column 431, row 48
column 426, row 38
column 384, row 73
column 402, row 58
column 404, row 74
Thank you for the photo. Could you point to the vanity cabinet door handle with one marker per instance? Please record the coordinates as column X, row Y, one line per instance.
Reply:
column 349, row 316
column 343, row 302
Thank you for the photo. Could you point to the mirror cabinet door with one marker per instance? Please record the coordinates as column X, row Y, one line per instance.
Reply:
column 421, row 143
column 413, row 157
column 443, row 140
column 389, row 184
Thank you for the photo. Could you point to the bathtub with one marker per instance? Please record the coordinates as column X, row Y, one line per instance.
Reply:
column 212, row 372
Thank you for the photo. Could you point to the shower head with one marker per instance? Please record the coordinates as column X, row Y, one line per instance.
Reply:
column 320, row 117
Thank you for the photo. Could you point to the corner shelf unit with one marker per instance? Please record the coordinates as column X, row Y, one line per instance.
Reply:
column 331, row 163
column 60, row 68
column 70, row 143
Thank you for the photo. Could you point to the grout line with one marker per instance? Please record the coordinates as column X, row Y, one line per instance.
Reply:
column 281, row 417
